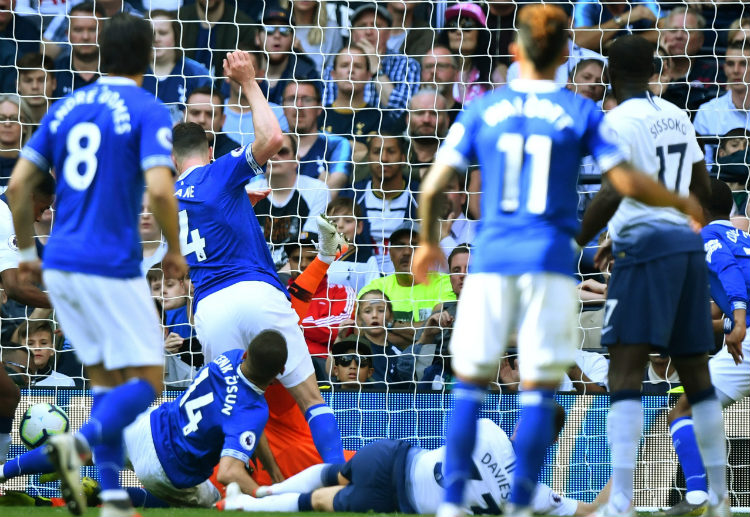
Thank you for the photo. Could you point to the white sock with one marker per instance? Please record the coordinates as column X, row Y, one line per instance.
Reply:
column 4, row 446
column 708, row 424
column 301, row 483
column 272, row 503
column 624, row 433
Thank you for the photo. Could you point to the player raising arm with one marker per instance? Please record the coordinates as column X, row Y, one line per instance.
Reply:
column 237, row 290
column 658, row 294
column 528, row 139
column 103, row 141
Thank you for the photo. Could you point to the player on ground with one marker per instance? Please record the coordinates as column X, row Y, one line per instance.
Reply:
column 237, row 291
column 24, row 292
column 219, row 419
column 388, row 476
column 729, row 277
column 103, row 141
column 658, row 292
column 528, row 140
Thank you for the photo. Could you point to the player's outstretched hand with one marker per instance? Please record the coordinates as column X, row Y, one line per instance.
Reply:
column 30, row 272
column 174, row 266
column 258, row 195
column 426, row 258
column 239, row 68
column 734, row 341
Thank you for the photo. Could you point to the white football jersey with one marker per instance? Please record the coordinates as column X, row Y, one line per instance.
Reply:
column 8, row 247
column 490, row 482
column 658, row 138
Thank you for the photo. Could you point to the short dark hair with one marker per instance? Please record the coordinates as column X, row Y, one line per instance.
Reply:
column 340, row 205
column 631, row 59
column 188, row 138
column 34, row 61
column 543, row 33
column 742, row 46
column 721, row 201
column 31, row 327
column 586, row 62
column 174, row 21
column 47, row 186
column 88, row 7
column 266, row 355
column 403, row 141
column 126, row 44
column 210, row 91
column 461, row 248
column 314, row 83
column 734, row 134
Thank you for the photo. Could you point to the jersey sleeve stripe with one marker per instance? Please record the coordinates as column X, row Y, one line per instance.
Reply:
column 236, row 454
column 36, row 158
column 254, row 165
column 453, row 158
column 157, row 160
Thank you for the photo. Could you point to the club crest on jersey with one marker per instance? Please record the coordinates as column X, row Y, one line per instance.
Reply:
column 238, row 152
column 164, row 136
column 13, row 242
column 247, row 440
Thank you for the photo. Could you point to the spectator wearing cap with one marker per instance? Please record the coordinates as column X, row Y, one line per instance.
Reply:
column 389, row 197
column 352, row 366
column 293, row 204
column 317, row 31
column 238, row 119
column 440, row 69
column 276, row 39
column 173, row 76
column 210, row 29
column 330, row 306
column 598, row 23
column 205, row 107
column 412, row 303
column 321, row 155
column 395, row 76
column 466, row 35
column 730, row 111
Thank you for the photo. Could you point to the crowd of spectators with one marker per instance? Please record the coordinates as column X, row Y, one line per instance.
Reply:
column 365, row 92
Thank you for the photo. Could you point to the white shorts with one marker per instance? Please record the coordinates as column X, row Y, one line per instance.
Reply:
column 230, row 318
column 109, row 321
column 541, row 307
column 731, row 380
column 141, row 455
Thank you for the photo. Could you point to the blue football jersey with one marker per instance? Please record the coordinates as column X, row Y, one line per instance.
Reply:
column 728, row 261
column 219, row 234
column 220, row 414
column 100, row 139
column 529, row 140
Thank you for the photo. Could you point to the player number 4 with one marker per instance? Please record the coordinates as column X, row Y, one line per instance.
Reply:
column 197, row 243
column 81, row 163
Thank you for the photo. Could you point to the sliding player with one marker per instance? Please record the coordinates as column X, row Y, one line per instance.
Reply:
column 658, row 292
column 218, row 419
column 104, row 141
column 237, row 291
column 729, row 277
column 529, row 139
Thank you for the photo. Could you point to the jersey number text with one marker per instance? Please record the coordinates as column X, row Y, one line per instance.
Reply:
column 517, row 149
column 80, row 165
column 197, row 243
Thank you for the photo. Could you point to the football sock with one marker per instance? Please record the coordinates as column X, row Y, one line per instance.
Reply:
column 142, row 498
column 686, row 447
column 325, row 433
column 305, row 481
column 624, row 433
column 272, row 503
column 34, row 461
column 460, row 439
column 115, row 410
column 709, row 432
column 534, row 435
column 109, row 459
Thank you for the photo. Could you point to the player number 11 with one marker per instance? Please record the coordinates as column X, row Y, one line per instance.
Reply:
column 517, row 149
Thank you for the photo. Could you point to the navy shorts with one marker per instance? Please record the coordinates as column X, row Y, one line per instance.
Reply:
column 663, row 302
column 377, row 479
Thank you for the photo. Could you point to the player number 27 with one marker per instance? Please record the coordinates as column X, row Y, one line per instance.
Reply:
column 197, row 243
column 81, row 163
column 517, row 149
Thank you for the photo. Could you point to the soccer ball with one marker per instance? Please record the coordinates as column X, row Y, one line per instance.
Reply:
column 41, row 421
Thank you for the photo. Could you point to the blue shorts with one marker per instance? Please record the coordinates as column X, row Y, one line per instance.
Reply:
column 377, row 479
column 662, row 302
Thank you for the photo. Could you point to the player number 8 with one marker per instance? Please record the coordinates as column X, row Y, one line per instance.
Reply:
column 76, row 176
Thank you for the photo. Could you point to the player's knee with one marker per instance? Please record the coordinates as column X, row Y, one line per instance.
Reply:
column 322, row 498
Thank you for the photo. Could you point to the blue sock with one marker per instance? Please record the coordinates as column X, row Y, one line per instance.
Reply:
column 686, row 447
column 115, row 410
column 6, row 425
column 325, row 433
column 533, row 435
column 109, row 459
column 305, row 502
column 460, row 439
column 31, row 462
column 142, row 498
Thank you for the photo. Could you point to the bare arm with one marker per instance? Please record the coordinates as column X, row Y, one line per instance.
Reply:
column 599, row 212
column 268, row 137
column 24, row 180
column 23, row 292
column 429, row 253
column 700, row 185
column 265, row 455
column 160, row 186
column 232, row 470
